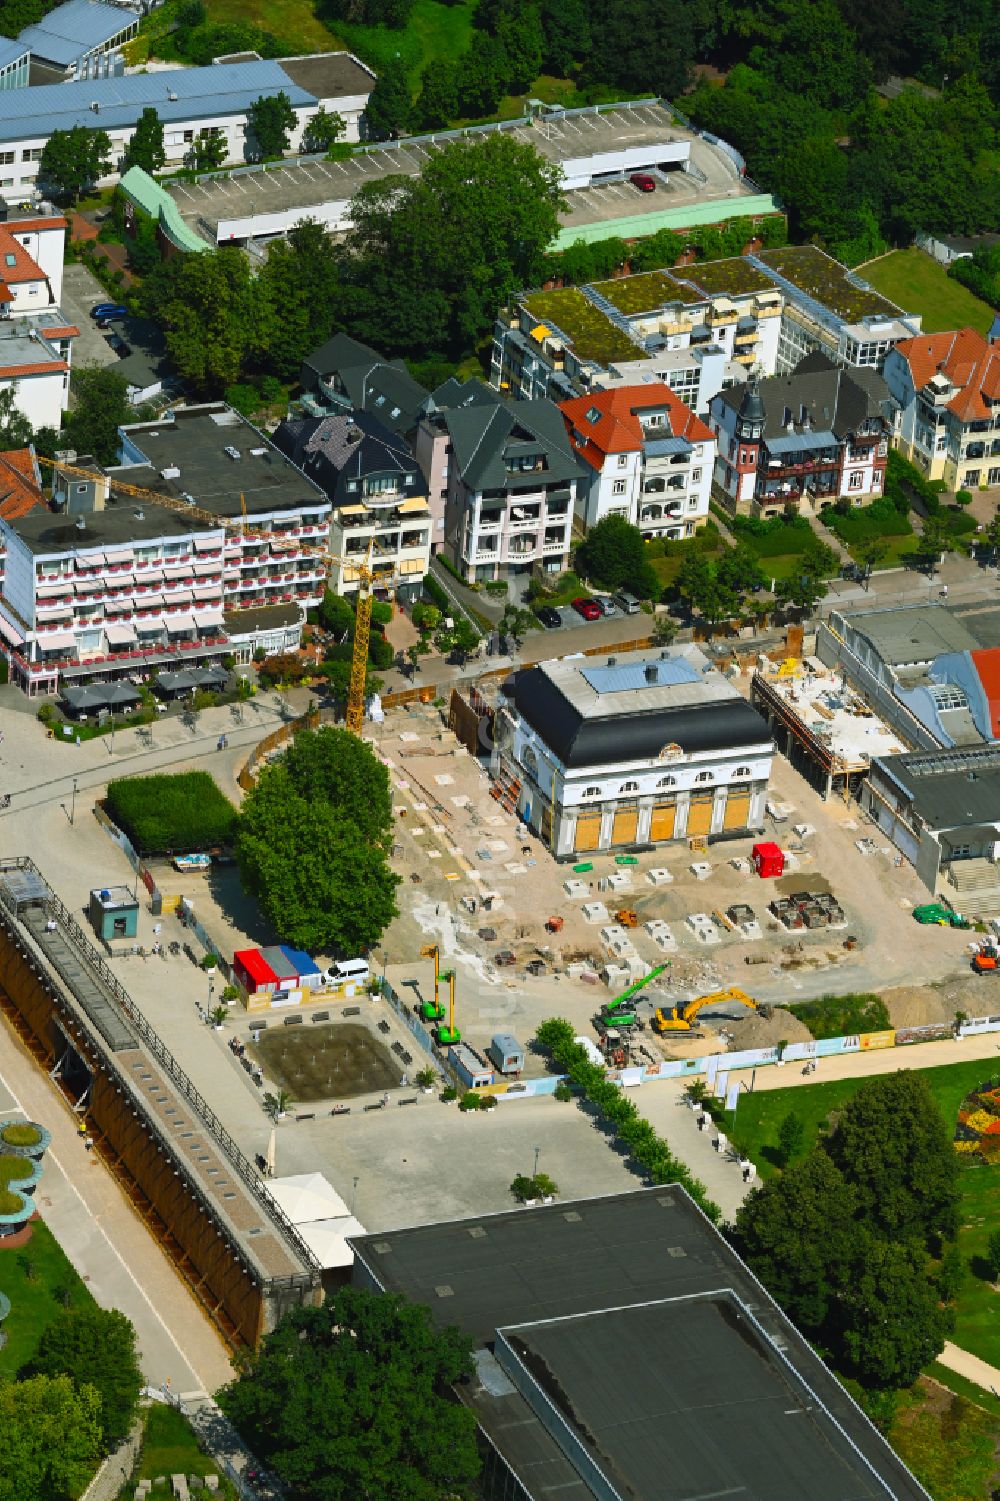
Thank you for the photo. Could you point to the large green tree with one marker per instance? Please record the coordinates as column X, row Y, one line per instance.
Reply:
column 892, row 1145
column 215, row 319
column 352, row 1400
column 312, row 841
column 146, row 149
column 96, row 1346
column 613, row 555
column 75, row 159
column 796, row 1232
column 51, row 1438
column 99, row 408
column 271, row 118
column 890, row 1322
column 389, row 108
column 430, row 259
column 300, row 284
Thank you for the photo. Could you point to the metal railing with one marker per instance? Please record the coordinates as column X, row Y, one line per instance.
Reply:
column 117, row 993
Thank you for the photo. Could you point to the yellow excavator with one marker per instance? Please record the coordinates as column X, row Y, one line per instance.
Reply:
column 681, row 1018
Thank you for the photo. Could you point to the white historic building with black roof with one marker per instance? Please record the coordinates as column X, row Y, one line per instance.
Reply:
column 603, row 753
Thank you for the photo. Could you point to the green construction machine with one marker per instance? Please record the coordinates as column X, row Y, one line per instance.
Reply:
column 619, row 1013
column 944, row 917
column 432, row 1011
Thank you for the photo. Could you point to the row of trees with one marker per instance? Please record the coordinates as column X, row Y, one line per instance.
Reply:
column 650, row 1151
column 313, row 840
column 74, row 1402
column 855, row 1240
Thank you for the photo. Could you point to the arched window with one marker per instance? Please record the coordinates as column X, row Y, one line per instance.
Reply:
column 667, row 782
column 591, row 791
column 705, row 776
column 629, row 787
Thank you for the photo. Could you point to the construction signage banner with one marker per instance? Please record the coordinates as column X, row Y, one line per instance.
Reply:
column 870, row 1040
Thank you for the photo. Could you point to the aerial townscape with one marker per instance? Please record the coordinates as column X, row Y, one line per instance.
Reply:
column 499, row 750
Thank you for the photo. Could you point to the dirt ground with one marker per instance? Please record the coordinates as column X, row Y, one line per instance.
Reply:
column 455, row 844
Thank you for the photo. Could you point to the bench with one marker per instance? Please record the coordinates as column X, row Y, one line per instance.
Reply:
column 320, row 1016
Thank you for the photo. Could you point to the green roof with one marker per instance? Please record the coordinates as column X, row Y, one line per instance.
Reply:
column 591, row 333
column 733, row 275
column 820, row 276
column 147, row 194
column 646, row 292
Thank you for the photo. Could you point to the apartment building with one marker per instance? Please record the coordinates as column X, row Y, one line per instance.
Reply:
column 831, row 310
column 191, row 102
column 647, row 458
column 693, row 328
column 36, row 338
column 512, row 488
column 378, row 494
column 945, row 391
column 807, row 439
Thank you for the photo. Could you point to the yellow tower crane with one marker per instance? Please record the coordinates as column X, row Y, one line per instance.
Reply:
column 360, row 565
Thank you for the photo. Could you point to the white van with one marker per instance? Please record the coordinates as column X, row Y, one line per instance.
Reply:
column 627, row 602
column 349, row 972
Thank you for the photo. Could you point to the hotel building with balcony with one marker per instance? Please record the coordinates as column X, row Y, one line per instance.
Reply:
column 945, row 390
column 648, row 459
column 513, row 482
column 113, row 586
column 807, row 439
column 378, row 493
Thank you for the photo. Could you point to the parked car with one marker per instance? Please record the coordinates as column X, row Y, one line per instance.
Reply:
column 605, row 604
column 113, row 313
column 643, row 182
column 627, row 603
column 588, row 608
column 549, row 617
column 109, row 310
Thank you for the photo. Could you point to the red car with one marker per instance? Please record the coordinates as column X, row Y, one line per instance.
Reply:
column 643, row 182
column 588, row 608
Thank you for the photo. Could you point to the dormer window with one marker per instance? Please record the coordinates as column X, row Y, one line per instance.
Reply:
column 594, row 414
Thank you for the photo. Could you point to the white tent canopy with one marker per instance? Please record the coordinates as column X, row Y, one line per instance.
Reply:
column 306, row 1197
column 327, row 1240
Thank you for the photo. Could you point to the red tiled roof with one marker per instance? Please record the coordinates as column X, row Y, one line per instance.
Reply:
column 987, row 665
column 26, row 226
column 969, row 362
column 19, row 484
column 50, row 367
column 617, row 428
column 62, row 331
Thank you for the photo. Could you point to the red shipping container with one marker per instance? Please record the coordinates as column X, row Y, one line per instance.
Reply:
column 768, row 860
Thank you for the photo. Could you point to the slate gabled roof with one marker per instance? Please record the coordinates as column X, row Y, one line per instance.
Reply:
column 333, row 450
column 371, row 384
column 485, row 435
column 836, row 400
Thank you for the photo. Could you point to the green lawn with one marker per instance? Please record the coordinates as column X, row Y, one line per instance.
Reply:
column 170, row 1447
column 755, row 1130
column 295, row 22
column 919, row 285
column 433, row 30
column 949, row 1442
column 35, row 1298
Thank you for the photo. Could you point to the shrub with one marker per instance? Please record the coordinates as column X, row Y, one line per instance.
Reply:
column 843, row 1015
column 470, row 1101
column 562, row 1091
column 20, row 1135
column 46, row 712
column 448, row 1094
column 165, row 814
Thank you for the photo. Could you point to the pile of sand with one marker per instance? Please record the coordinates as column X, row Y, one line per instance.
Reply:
column 766, row 1032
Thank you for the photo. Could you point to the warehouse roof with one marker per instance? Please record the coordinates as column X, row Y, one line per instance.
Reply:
column 629, row 707
column 176, row 94
column 949, row 789
column 662, row 1363
column 912, row 633
column 76, row 28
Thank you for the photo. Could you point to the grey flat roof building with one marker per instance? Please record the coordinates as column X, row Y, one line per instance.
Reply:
column 624, row 1349
column 913, row 633
column 211, row 454
column 950, row 789
column 42, row 532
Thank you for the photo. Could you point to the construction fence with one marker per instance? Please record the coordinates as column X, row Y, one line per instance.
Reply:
column 716, row 1066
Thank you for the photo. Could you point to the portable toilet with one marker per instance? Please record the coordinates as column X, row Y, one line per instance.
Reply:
column 768, row 860
column 506, row 1053
column 114, row 912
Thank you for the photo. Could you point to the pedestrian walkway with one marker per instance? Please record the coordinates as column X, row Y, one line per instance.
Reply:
column 668, row 1109
column 971, row 1367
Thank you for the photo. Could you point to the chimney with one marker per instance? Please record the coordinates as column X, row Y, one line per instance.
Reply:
column 651, row 674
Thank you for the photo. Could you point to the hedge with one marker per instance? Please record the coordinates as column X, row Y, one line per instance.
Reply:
column 645, row 1147
column 172, row 814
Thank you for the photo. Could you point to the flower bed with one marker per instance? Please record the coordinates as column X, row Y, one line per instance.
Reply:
column 977, row 1134
column 24, row 1139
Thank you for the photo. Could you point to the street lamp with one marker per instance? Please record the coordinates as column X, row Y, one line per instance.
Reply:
column 72, row 806
column 537, row 1152
column 354, row 1196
